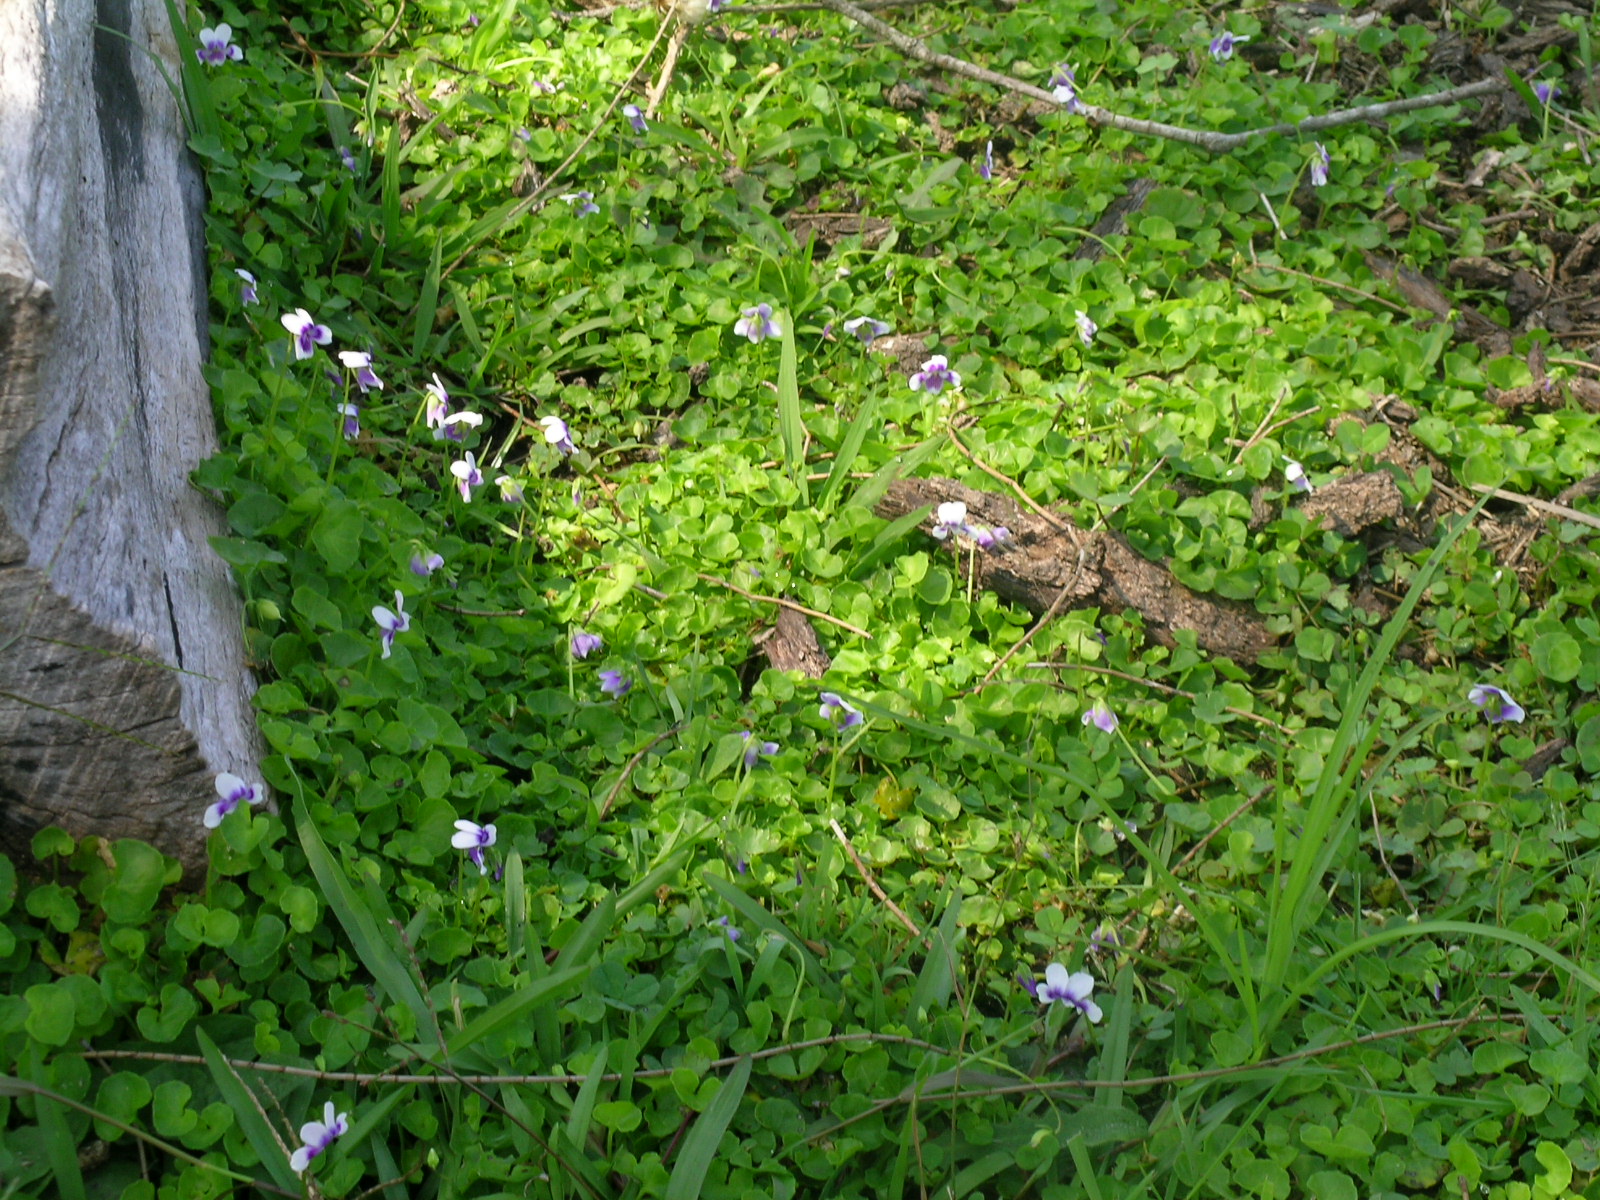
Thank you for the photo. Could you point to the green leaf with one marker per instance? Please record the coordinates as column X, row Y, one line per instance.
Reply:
column 845, row 457
column 700, row 1147
column 374, row 950
column 245, row 555
column 337, row 536
column 141, row 872
column 790, row 422
column 515, row 1005
column 51, row 1014
column 937, row 978
column 759, row 917
column 248, row 1113
column 588, row 1091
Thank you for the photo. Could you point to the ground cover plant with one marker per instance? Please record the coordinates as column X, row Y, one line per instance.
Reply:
column 555, row 413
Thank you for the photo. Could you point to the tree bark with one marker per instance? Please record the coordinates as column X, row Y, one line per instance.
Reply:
column 123, row 686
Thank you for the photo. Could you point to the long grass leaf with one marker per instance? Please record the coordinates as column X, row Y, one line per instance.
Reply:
column 585, row 942
column 1333, row 793
column 371, row 947
column 512, row 1008
column 516, row 909
column 247, row 1112
column 60, row 1148
column 791, row 425
column 427, row 305
column 937, row 978
column 700, row 1147
column 588, row 1092
column 762, row 919
column 845, row 457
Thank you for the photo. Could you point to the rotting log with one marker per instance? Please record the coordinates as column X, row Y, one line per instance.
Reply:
column 123, row 686
column 1045, row 556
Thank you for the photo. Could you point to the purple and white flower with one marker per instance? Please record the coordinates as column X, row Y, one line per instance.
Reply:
column 728, row 927
column 216, row 46
column 557, row 434
column 247, row 289
column 467, row 475
column 438, row 404
column 510, row 489
column 1071, row 990
column 318, row 1136
column 635, row 117
column 584, row 644
column 1496, row 703
column 454, row 427
column 474, row 839
column 838, row 711
column 391, row 622
column 349, row 160
column 1222, row 45
column 1546, row 91
column 986, row 167
column 423, row 565
column 1320, row 165
column 935, row 376
column 1295, row 476
column 865, row 329
column 352, row 421
column 754, row 750
column 308, row 335
column 757, row 324
column 615, row 684
column 1086, row 328
column 1102, row 718
column 360, row 362
column 1064, row 87
column 584, row 201
column 950, row 518
column 234, row 792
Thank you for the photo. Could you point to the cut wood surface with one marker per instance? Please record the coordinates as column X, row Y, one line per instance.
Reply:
column 123, row 687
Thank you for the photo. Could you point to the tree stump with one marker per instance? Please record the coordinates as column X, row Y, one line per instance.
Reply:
column 123, row 686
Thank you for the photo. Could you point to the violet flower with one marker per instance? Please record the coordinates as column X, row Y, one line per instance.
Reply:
column 986, row 167
column 584, row 201
column 438, row 404
column 473, row 838
column 728, row 927
column 635, row 117
column 423, row 566
column 216, row 46
column 951, row 518
column 1101, row 717
column 360, row 362
column 391, row 623
column 510, row 489
column 1072, row 990
column 755, row 751
column 557, row 434
column 615, row 684
column 349, row 160
column 757, row 324
column 1086, row 328
column 318, row 1136
column 308, row 335
column 935, row 376
column 1546, row 91
column 352, row 421
column 1320, row 165
column 1064, row 87
column 234, row 792
column 1496, row 703
column 247, row 289
column 1295, row 476
column 1222, row 45
column 838, row 711
column 453, row 428
column 865, row 329
column 584, row 644
column 467, row 475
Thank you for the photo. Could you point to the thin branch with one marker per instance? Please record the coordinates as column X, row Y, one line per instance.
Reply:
column 627, row 771
column 871, row 882
column 1538, row 505
column 789, row 604
column 365, row 1079
column 1216, row 143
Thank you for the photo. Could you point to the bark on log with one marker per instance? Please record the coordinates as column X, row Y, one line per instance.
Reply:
column 123, row 686
column 1101, row 570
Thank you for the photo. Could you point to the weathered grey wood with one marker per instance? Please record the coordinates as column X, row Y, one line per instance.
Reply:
column 123, row 687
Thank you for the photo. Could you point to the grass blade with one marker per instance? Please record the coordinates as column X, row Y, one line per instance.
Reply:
column 849, row 450
column 762, row 919
column 427, row 305
column 791, row 425
column 516, row 909
column 514, row 1006
column 937, row 977
column 583, row 944
column 700, row 1147
column 588, row 1093
column 248, row 1113
column 366, row 939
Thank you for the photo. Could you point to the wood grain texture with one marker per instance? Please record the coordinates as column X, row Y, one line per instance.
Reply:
column 123, row 686
column 1096, row 569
